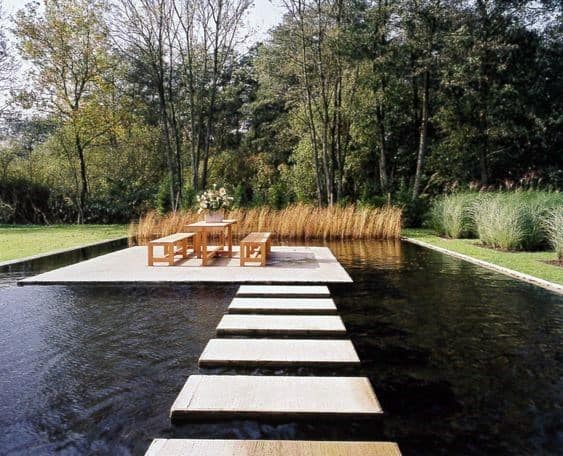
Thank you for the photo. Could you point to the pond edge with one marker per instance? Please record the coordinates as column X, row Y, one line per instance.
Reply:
column 39, row 256
column 551, row 286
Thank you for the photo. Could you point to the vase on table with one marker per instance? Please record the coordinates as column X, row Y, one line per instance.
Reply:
column 214, row 216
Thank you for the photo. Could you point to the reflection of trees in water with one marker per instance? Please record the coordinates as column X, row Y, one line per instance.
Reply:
column 385, row 254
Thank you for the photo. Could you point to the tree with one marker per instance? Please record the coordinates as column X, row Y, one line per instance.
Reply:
column 68, row 46
column 7, row 65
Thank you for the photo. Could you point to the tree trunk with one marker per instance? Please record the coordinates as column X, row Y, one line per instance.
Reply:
column 383, row 176
column 83, row 179
column 423, row 135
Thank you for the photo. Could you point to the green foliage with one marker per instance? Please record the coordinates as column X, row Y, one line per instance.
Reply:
column 515, row 220
column 163, row 200
column 278, row 195
column 554, row 228
column 7, row 213
column 452, row 215
column 284, row 122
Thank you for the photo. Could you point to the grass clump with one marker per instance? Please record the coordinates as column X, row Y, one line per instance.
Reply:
column 554, row 229
column 500, row 222
column 505, row 220
column 515, row 220
column 451, row 215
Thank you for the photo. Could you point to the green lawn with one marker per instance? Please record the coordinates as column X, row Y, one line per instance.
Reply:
column 25, row 240
column 531, row 263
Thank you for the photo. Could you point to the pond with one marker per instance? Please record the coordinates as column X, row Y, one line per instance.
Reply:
column 462, row 359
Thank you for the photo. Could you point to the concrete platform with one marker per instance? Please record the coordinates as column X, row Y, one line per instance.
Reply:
column 129, row 266
column 287, row 291
column 288, row 325
column 314, row 306
column 197, row 447
column 249, row 396
column 278, row 352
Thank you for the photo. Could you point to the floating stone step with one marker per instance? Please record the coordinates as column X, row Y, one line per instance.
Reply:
column 289, row 325
column 248, row 396
column 315, row 306
column 278, row 352
column 310, row 291
column 216, row 447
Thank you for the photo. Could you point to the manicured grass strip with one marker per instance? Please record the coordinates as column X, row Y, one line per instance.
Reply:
column 22, row 241
column 531, row 263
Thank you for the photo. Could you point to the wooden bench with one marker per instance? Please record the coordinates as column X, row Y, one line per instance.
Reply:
column 175, row 244
column 255, row 248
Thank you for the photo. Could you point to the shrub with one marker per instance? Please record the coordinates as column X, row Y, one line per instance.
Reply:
column 554, row 229
column 6, row 212
column 451, row 215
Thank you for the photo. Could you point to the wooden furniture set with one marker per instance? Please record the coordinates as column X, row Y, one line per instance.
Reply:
column 253, row 248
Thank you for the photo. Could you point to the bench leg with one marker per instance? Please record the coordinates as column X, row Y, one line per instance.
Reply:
column 150, row 260
column 242, row 254
column 263, row 254
column 184, row 248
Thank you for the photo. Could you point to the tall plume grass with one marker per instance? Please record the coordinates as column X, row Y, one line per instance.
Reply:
column 296, row 222
column 451, row 215
column 554, row 228
column 514, row 220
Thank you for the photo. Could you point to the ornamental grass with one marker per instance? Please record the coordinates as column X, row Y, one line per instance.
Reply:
column 296, row 222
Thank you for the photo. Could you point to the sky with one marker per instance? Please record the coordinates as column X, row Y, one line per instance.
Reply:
column 264, row 15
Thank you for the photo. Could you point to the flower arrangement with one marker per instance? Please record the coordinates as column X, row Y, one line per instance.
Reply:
column 214, row 199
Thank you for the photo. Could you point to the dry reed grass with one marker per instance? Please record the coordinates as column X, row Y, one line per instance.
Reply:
column 296, row 222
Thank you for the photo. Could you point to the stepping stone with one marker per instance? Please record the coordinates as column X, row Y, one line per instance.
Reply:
column 281, row 324
column 278, row 352
column 250, row 396
column 310, row 291
column 216, row 447
column 315, row 306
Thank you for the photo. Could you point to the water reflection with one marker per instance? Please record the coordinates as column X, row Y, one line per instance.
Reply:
column 463, row 360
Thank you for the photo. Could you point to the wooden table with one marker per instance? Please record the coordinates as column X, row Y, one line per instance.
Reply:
column 202, row 229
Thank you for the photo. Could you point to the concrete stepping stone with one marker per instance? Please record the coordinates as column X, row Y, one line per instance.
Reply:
column 310, row 291
column 289, row 325
column 315, row 306
column 249, row 396
column 278, row 352
column 217, row 447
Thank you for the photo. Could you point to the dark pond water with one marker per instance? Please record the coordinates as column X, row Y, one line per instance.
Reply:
column 463, row 360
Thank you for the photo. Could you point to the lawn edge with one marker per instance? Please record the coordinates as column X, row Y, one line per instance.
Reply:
column 39, row 256
column 551, row 286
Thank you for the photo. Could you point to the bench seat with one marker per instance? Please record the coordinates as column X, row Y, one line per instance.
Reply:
column 255, row 248
column 174, row 244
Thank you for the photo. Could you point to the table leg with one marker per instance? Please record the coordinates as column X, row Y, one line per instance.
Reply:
column 204, row 248
column 230, row 240
column 171, row 249
column 197, row 244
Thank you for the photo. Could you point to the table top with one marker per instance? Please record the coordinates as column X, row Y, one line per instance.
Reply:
column 203, row 224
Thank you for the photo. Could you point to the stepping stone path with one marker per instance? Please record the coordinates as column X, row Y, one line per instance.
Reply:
column 294, row 306
column 251, row 396
column 287, row 291
column 285, row 311
column 278, row 352
column 184, row 447
column 290, row 325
